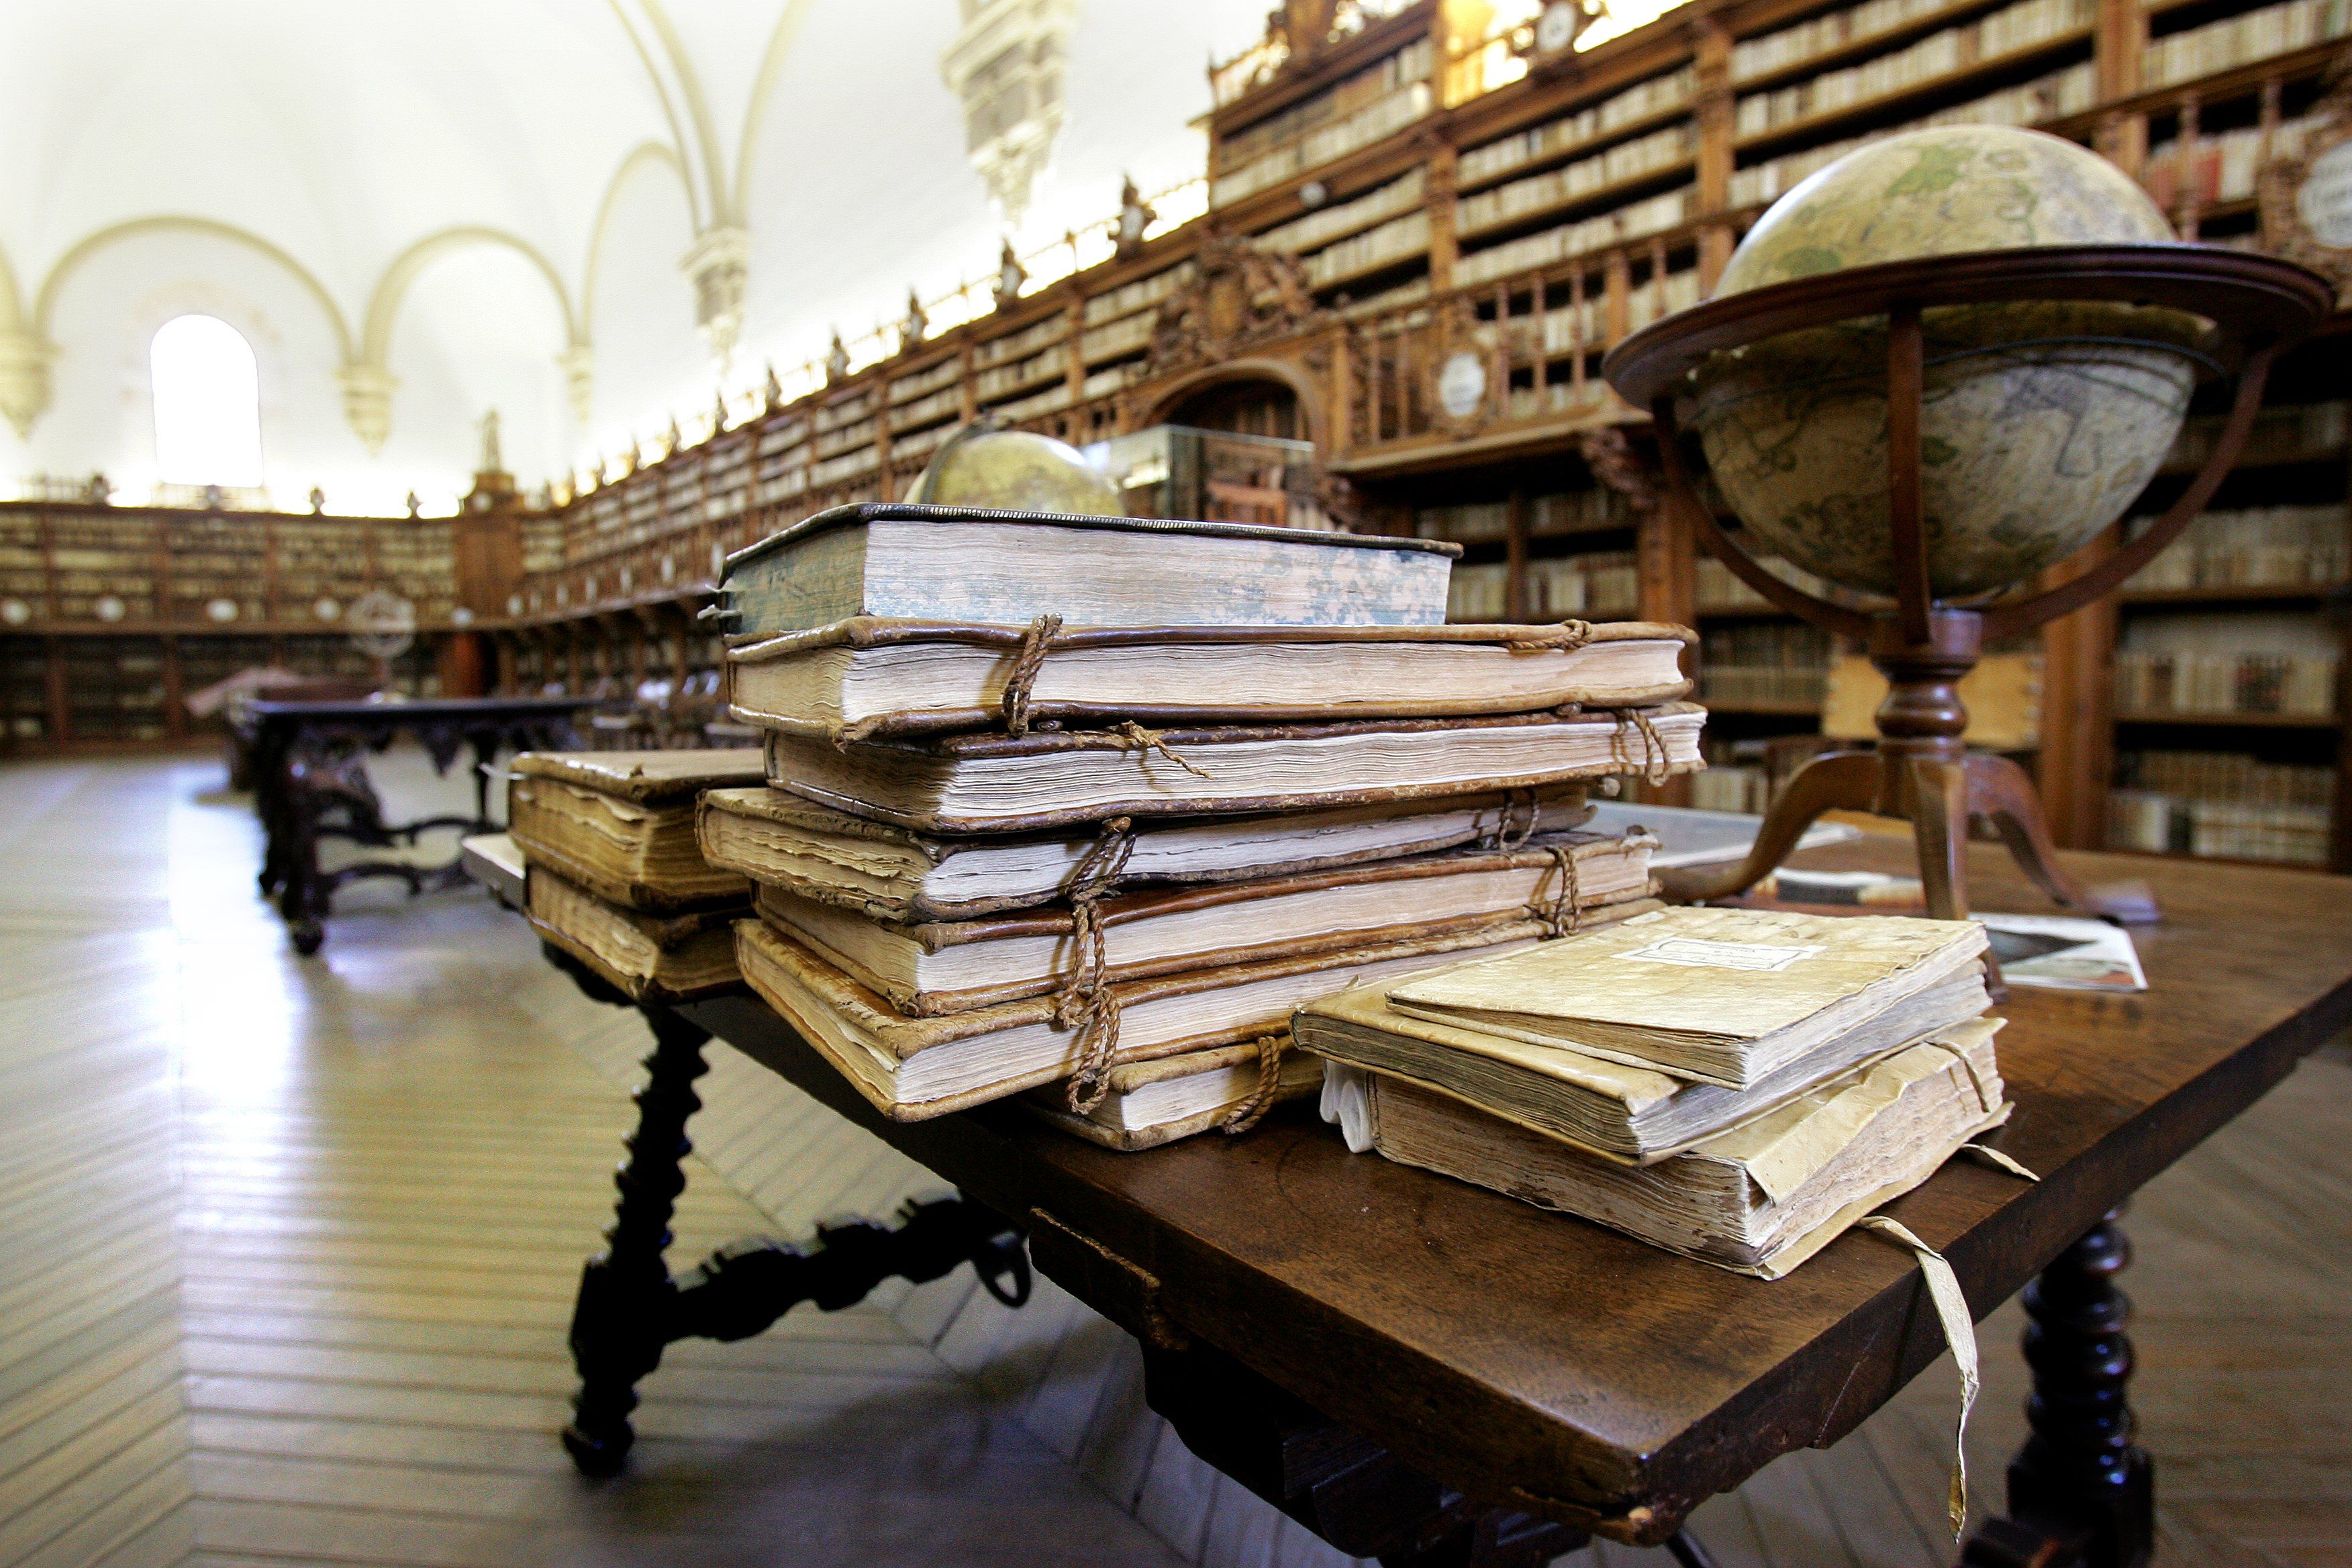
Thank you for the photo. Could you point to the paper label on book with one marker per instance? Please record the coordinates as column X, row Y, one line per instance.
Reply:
column 1698, row 953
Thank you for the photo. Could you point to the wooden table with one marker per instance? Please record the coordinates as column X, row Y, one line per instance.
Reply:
column 1428, row 1372
column 309, row 782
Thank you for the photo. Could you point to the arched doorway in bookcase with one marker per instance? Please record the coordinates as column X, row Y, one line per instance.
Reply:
column 1240, row 443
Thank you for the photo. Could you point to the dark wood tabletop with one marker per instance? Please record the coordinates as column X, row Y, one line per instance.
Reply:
column 1546, row 1364
column 458, row 710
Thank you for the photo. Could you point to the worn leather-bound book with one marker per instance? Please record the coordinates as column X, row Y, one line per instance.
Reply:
column 1155, row 1102
column 648, row 957
column 869, row 678
column 897, row 874
column 978, row 565
column 1721, row 996
column 938, row 967
column 913, row 1068
column 1759, row 1199
column 1634, row 1115
column 621, row 823
column 1046, row 780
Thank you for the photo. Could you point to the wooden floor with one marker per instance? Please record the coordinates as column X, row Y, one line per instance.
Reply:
column 291, row 1247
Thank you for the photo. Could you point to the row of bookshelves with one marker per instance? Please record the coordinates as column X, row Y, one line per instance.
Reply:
column 1556, row 139
column 1375, row 103
column 2004, row 36
column 1602, row 585
column 2200, row 684
column 2238, row 40
column 2254, row 547
column 2059, row 92
column 2221, row 804
column 1635, row 220
column 1553, row 512
column 2219, row 168
column 1320, row 227
column 1627, row 161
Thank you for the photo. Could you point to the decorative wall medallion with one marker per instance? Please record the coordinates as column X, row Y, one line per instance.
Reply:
column 1462, row 384
column 16, row 612
column 222, row 609
column 1559, row 26
column 2306, row 202
column 1006, row 64
column 2324, row 200
column 109, row 607
column 1238, row 296
column 383, row 623
column 461, row 617
column 327, row 610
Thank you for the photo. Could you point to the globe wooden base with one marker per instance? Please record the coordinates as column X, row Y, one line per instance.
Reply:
column 1922, row 772
column 1939, row 797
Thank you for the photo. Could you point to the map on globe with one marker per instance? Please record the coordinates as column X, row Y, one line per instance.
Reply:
column 2041, row 421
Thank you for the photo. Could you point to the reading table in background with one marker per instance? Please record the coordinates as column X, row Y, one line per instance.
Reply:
column 309, row 782
column 1429, row 1373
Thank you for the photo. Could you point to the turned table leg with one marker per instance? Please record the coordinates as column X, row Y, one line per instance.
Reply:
column 631, row 1307
column 621, row 1320
column 2080, row 1491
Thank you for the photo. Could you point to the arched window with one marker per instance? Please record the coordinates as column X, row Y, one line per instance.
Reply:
column 207, row 403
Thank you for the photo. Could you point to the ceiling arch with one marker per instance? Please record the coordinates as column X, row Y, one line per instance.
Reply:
column 644, row 153
column 771, row 65
column 384, row 305
column 12, row 302
column 62, row 272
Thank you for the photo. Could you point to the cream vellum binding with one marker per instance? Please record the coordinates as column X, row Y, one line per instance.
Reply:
column 895, row 873
column 1046, row 780
column 1760, row 1199
column 954, row 966
column 1723, row 997
column 914, row 1069
column 1156, row 1102
column 621, row 823
column 647, row 957
column 869, row 678
column 1617, row 1111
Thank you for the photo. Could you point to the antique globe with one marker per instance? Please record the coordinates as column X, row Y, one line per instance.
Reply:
column 1015, row 470
column 2041, row 421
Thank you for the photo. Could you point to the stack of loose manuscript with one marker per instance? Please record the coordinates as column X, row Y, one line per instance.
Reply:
column 1735, row 1085
column 1100, row 800
column 614, row 876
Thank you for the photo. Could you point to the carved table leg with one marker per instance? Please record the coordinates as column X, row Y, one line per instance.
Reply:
column 2080, row 1491
column 630, row 1305
column 619, row 1324
column 301, row 899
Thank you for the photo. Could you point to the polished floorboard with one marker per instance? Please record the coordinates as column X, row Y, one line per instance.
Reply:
column 290, row 1248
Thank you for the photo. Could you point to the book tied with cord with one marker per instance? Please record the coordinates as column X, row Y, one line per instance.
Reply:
column 614, row 878
column 1079, row 810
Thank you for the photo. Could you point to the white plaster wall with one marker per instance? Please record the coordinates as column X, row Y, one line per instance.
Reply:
column 649, row 361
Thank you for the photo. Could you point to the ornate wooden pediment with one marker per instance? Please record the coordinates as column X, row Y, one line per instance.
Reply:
column 1238, row 298
column 2306, row 201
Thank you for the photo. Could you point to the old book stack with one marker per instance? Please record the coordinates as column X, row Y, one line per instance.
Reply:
column 614, row 876
column 1101, row 800
column 1737, row 1086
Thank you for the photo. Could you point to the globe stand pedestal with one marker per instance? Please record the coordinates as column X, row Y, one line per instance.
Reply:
column 1921, row 771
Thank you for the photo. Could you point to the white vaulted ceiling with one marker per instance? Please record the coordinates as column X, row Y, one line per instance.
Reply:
column 421, row 211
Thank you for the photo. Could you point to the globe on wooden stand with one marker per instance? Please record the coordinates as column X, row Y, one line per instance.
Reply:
column 1946, row 361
